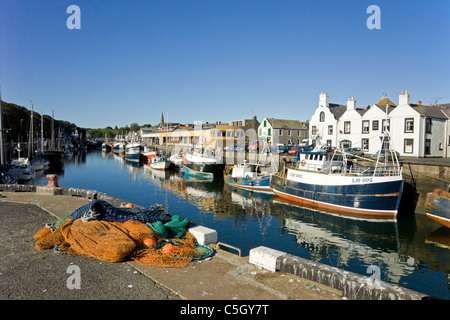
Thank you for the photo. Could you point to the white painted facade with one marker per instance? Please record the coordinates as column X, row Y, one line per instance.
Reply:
column 415, row 130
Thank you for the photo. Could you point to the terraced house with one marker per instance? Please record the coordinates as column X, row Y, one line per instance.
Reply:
column 285, row 131
column 415, row 129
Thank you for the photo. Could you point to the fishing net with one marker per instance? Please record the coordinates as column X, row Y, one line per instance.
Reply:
column 102, row 231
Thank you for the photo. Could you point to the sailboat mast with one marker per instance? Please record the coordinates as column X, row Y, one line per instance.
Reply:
column 2, row 158
column 42, row 133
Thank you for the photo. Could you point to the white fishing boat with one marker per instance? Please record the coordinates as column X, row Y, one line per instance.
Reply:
column 133, row 151
column 21, row 170
column 176, row 161
column 159, row 163
column 200, row 164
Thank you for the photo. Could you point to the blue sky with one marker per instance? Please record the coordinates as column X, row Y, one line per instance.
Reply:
column 217, row 60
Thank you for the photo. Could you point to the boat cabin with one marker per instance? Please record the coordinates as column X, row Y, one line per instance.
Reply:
column 243, row 170
column 318, row 161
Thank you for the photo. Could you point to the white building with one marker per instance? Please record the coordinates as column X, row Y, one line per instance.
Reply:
column 415, row 130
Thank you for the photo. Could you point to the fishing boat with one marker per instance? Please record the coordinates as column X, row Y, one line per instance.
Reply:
column 118, row 147
column 437, row 206
column 21, row 169
column 198, row 164
column 133, row 152
column 159, row 163
column 329, row 180
column 149, row 152
column 106, row 147
column 176, row 161
column 244, row 176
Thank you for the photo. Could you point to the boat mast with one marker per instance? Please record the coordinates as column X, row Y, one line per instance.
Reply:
column 30, row 146
column 2, row 157
column 42, row 133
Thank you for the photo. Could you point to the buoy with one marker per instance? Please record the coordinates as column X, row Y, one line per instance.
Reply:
column 168, row 248
column 129, row 205
column 149, row 242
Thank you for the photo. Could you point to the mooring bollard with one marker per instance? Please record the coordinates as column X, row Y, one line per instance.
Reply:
column 52, row 180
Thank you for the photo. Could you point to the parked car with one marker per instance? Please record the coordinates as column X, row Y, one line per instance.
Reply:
column 279, row 148
column 353, row 152
column 294, row 149
column 382, row 154
column 230, row 148
column 256, row 145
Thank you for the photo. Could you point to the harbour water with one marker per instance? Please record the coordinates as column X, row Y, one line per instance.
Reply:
column 411, row 250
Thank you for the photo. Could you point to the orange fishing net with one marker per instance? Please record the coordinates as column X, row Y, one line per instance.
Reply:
column 115, row 241
column 184, row 251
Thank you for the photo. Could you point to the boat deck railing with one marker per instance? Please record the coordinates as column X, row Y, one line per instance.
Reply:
column 353, row 170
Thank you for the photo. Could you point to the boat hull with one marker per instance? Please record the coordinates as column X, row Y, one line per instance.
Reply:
column 205, row 169
column 437, row 207
column 135, row 157
column 261, row 183
column 162, row 165
column 369, row 196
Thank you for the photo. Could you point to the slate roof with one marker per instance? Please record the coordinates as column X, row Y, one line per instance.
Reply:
column 286, row 124
column 430, row 111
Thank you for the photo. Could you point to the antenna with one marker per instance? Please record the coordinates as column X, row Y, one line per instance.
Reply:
column 435, row 100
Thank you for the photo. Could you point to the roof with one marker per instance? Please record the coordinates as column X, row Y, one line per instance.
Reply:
column 431, row 111
column 337, row 110
column 286, row 124
column 385, row 101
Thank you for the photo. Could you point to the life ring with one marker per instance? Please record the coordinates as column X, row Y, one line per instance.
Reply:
column 303, row 162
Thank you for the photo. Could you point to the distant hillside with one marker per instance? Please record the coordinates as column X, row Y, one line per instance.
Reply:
column 13, row 114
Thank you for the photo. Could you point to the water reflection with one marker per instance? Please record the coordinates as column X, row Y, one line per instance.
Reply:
column 411, row 250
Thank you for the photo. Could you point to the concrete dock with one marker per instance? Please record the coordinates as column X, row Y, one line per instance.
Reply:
column 225, row 276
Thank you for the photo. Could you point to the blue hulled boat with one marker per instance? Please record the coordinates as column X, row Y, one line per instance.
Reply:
column 437, row 207
column 329, row 180
column 243, row 176
column 133, row 152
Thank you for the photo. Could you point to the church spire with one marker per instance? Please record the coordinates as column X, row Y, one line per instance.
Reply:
column 161, row 123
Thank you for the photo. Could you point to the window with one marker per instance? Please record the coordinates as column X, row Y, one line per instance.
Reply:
column 330, row 129
column 409, row 125
column 375, row 125
column 289, row 133
column 281, row 132
column 269, row 132
column 265, row 123
column 329, row 143
column 428, row 125
column 409, row 146
column 441, row 146
column 322, row 117
column 313, row 130
column 260, row 132
column 347, row 127
column 386, row 125
column 365, row 126
column 365, row 144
